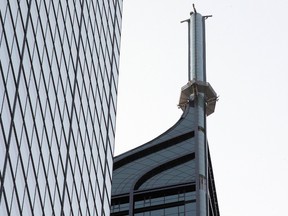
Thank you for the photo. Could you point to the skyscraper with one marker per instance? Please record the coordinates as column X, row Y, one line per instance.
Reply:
column 58, row 89
column 172, row 174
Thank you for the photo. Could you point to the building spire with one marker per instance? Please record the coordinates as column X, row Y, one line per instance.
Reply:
column 197, row 64
column 198, row 95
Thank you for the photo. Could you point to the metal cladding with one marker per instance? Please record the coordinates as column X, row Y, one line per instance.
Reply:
column 196, row 48
column 200, row 87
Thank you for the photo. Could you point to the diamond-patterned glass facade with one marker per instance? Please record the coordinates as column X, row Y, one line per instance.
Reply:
column 58, row 88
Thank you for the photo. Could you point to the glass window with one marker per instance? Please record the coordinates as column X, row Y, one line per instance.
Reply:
column 8, row 30
column 159, row 212
column 8, row 185
column 4, row 56
column 190, row 207
column 14, row 208
column 158, row 201
column 2, row 145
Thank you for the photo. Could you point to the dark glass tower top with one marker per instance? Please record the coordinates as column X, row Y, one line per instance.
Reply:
column 172, row 174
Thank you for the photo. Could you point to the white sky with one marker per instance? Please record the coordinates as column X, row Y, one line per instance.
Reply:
column 247, row 65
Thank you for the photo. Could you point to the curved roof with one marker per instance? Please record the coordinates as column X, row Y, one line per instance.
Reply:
column 166, row 160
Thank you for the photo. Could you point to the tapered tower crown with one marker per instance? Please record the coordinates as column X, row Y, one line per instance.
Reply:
column 172, row 174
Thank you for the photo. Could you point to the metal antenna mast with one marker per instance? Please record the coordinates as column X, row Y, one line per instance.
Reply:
column 199, row 95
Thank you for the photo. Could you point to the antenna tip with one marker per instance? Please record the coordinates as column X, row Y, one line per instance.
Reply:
column 194, row 8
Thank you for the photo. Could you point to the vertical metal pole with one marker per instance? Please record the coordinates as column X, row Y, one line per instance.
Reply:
column 196, row 91
column 131, row 203
column 197, row 73
column 189, row 52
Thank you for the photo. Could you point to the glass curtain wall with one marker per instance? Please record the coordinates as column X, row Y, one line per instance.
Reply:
column 58, row 88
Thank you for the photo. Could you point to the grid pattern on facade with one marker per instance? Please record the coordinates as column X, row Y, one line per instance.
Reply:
column 172, row 144
column 171, row 200
column 160, row 177
column 179, row 204
column 58, row 86
column 126, row 176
